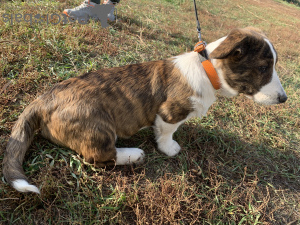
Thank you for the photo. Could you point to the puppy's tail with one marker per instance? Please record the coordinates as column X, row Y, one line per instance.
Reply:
column 21, row 137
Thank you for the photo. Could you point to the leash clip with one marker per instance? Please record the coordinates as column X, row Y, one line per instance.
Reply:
column 200, row 46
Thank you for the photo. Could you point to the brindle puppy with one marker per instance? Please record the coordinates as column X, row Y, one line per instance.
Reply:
column 89, row 112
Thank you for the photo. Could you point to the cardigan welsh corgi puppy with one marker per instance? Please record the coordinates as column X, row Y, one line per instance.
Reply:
column 88, row 113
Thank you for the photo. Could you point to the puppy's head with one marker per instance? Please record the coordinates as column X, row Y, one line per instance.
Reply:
column 246, row 62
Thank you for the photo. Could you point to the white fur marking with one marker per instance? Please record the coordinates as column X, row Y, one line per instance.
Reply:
column 127, row 156
column 23, row 186
column 269, row 93
column 191, row 68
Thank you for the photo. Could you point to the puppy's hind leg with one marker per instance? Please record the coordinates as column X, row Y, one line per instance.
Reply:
column 126, row 156
column 105, row 153
column 97, row 144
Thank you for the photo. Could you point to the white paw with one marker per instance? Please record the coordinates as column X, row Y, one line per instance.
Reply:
column 126, row 156
column 171, row 148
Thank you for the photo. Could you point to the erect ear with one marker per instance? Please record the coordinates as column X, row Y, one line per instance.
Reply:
column 232, row 45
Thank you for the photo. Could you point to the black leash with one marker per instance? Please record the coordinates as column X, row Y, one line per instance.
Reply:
column 198, row 24
column 203, row 52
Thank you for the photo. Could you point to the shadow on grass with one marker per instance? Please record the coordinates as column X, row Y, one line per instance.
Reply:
column 228, row 172
column 230, row 154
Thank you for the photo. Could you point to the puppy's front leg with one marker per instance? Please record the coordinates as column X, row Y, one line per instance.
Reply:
column 164, row 136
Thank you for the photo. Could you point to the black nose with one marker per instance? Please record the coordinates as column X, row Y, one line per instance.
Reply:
column 282, row 98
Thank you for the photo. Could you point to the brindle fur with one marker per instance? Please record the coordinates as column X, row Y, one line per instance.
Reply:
column 86, row 113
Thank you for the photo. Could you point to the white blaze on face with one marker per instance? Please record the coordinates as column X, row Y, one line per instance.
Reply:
column 271, row 93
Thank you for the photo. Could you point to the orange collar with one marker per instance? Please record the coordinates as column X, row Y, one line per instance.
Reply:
column 208, row 66
column 211, row 74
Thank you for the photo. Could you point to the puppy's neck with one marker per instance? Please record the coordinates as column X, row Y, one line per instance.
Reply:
column 225, row 90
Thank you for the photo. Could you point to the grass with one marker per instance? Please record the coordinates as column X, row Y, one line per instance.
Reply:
column 238, row 165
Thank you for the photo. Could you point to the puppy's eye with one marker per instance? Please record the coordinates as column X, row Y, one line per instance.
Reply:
column 262, row 69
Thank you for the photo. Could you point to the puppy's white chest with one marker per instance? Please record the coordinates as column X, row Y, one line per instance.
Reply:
column 200, row 106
